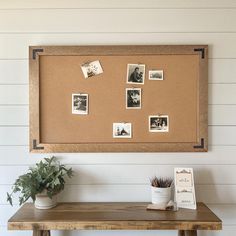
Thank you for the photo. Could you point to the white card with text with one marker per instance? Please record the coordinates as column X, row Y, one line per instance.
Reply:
column 184, row 188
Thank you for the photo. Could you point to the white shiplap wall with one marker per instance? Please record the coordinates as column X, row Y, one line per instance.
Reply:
column 122, row 177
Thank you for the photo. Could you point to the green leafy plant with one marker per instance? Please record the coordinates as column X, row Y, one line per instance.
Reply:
column 161, row 182
column 48, row 175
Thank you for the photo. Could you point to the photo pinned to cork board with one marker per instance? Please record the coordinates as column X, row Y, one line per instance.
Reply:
column 122, row 130
column 80, row 104
column 159, row 123
column 135, row 73
column 91, row 69
column 155, row 75
column 133, row 98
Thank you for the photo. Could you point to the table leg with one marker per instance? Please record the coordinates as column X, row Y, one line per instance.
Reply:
column 41, row 232
column 190, row 232
column 181, row 233
column 187, row 233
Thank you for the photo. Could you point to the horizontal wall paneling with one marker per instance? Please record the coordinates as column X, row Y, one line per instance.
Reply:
column 18, row 115
column 18, row 94
column 122, row 20
column 220, row 71
column 218, row 155
column 15, row 45
column 114, row 176
column 110, row 4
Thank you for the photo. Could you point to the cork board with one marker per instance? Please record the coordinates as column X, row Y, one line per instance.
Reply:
column 55, row 74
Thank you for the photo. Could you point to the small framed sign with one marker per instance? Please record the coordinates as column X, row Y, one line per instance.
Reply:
column 184, row 188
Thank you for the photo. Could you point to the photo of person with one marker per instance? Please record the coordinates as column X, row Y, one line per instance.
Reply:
column 155, row 75
column 135, row 74
column 91, row 69
column 159, row 123
column 122, row 130
column 133, row 98
column 80, row 104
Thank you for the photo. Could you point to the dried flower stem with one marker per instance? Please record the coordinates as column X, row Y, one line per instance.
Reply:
column 161, row 182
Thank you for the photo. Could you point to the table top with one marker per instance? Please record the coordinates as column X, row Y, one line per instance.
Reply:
column 109, row 216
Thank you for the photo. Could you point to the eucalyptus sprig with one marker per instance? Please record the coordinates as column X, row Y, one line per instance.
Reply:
column 48, row 175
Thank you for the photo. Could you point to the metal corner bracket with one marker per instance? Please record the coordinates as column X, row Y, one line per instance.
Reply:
column 35, row 147
column 35, row 51
column 201, row 145
column 202, row 50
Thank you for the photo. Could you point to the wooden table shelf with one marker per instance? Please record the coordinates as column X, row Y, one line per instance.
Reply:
column 112, row 216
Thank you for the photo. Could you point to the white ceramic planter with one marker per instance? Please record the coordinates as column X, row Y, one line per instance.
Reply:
column 161, row 195
column 42, row 201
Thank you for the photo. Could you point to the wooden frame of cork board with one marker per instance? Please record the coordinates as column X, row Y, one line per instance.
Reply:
column 55, row 74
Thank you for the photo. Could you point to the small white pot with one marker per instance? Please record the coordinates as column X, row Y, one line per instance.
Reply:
column 161, row 195
column 42, row 201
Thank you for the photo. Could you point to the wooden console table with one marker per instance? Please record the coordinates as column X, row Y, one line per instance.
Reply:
column 112, row 216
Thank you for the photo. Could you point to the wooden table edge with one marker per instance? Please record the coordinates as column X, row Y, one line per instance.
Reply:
column 213, row 213
column 115, row 225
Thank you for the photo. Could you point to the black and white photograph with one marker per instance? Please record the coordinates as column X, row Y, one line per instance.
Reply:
column 122, row 130
column 80, row 104
column 91, row 69
column 135, row 73
column 155, row 75
column 159, row 123
column 133, row 98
